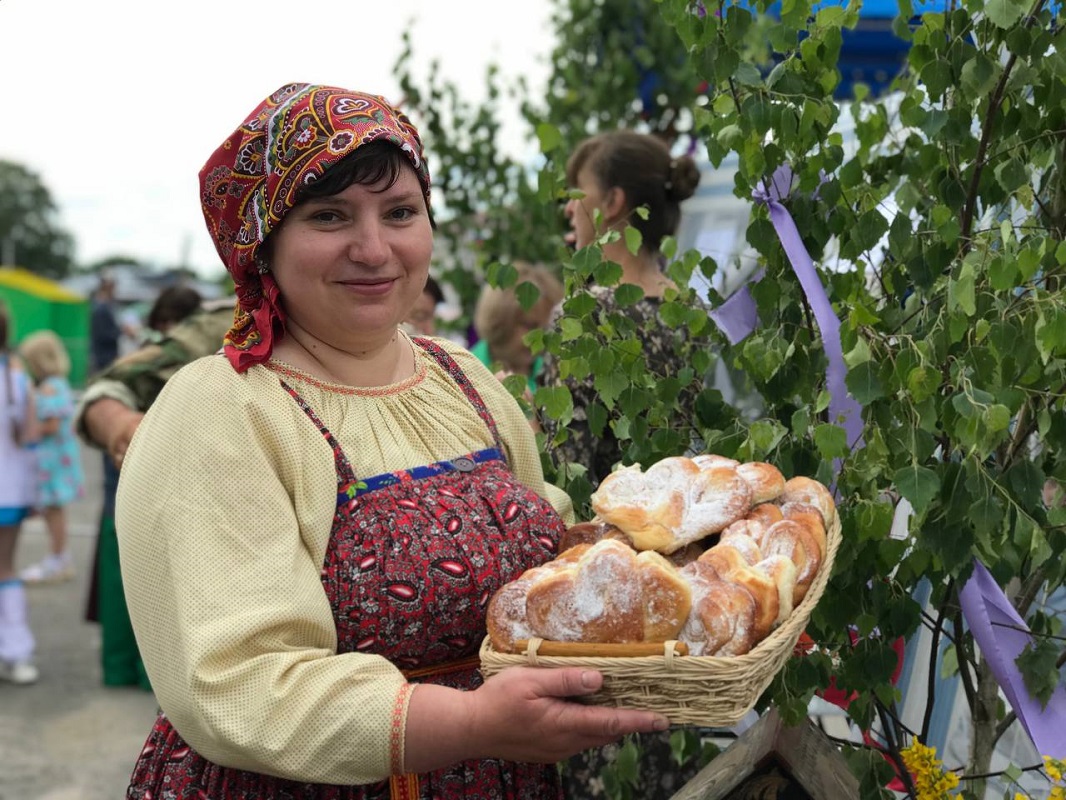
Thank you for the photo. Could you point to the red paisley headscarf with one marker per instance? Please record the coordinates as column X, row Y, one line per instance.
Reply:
column 251, row 181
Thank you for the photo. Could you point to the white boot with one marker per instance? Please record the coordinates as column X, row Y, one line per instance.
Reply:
column 16, row 638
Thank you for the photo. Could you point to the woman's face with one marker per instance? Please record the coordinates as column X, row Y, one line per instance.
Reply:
column 351, row 266
column 581, row 212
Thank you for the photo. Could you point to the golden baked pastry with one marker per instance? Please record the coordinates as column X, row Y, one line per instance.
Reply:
column 673, row 504
column 722, row 620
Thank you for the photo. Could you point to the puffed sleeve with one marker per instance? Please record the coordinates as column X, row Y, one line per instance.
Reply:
column 224, row 509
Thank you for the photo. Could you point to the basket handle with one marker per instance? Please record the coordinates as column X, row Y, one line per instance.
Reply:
column 543, row 647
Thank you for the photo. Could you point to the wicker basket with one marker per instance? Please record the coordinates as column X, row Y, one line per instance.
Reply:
column 696, row 690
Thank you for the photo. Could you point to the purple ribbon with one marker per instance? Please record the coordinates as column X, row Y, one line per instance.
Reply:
column 737, row 318
column 1002, row 635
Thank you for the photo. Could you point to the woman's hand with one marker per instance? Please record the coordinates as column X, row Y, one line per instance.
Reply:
column 520, row 714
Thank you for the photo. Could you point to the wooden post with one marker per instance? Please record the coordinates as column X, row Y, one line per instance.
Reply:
column 770, row 760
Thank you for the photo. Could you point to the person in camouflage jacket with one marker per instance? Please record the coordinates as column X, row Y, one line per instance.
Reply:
column 107, row 415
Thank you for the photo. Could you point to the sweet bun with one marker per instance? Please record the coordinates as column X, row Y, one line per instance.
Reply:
column 741, row 541
column 725, row 558
column 809, row 491
column 596, row 598
column 796, row 541
column 764, row 590
column 645, row 506
column 811, row 518
column 667, row 597
column 782, row 573
column 506, row 617
column 747, row 528
column 673, row 504
column 765, row 480
column 766, row 513
column 722, row 619
column 707, row 460
column 589, row 533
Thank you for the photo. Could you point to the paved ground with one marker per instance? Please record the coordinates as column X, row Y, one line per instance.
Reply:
column 68, row 737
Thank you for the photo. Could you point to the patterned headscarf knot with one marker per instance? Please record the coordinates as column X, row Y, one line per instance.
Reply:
column 253, row 179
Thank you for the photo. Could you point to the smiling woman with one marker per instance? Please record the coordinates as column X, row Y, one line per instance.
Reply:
column 312, row 522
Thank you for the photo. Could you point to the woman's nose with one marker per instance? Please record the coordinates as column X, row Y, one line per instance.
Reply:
column 369, row 244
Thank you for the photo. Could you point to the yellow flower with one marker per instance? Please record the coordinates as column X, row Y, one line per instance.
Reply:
column 1054, row 768
column 930, row 779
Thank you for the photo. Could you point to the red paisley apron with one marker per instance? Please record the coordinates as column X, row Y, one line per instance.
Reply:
column 413, row 558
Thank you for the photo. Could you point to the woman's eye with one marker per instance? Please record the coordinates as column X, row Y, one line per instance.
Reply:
column 326, row 216
column 401, row 214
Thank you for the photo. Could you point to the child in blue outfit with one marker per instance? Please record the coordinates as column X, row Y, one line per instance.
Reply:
column 60, row 479
column 17, row 488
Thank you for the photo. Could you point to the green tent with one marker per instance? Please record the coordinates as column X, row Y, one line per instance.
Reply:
column 35, row 303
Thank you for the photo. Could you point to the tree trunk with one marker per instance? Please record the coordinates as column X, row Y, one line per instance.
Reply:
column 984, row 715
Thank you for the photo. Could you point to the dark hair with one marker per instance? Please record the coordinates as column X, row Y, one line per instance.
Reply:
column 641, row 166
column 173, row 305
column 434, row 290
column 367, row 165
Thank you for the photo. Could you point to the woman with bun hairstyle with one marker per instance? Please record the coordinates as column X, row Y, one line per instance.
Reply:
column 618, row 172
column 312, row 521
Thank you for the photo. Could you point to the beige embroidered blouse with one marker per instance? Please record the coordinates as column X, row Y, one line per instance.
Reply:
column 224, row 512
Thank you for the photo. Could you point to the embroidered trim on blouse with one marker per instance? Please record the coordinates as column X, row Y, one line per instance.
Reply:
column 289, row 371
column 396, row 732
column 461, row 464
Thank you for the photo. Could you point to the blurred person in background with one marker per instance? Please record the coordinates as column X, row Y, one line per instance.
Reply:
column 60, row 478
column 422, row 320
column 172, row 305
column 106, row 417
column 18, row 433
column 501, row 323
column 105, row 329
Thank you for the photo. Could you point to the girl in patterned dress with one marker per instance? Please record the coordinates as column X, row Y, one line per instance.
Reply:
column 60, row 479
column 312, row 522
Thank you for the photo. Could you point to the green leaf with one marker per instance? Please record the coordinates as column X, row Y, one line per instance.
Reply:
column 1004, row 13
column 1037, row 665
column 556, row 401
column 549, row 137
column 962, row 291
column 527, row 294
column 831, row 441
column 628, row 294
column 570, row 328
column 634, row 239
column 919, row 485
column 864, row 384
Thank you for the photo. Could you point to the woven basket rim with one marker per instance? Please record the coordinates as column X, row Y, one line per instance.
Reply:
column 773, row 651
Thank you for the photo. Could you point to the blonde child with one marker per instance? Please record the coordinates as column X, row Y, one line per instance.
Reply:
column 60, row 479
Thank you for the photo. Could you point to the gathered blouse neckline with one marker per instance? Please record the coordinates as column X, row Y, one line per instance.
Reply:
column 288, row 370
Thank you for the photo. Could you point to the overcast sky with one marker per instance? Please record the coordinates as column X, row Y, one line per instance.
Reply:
column 116, row 104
